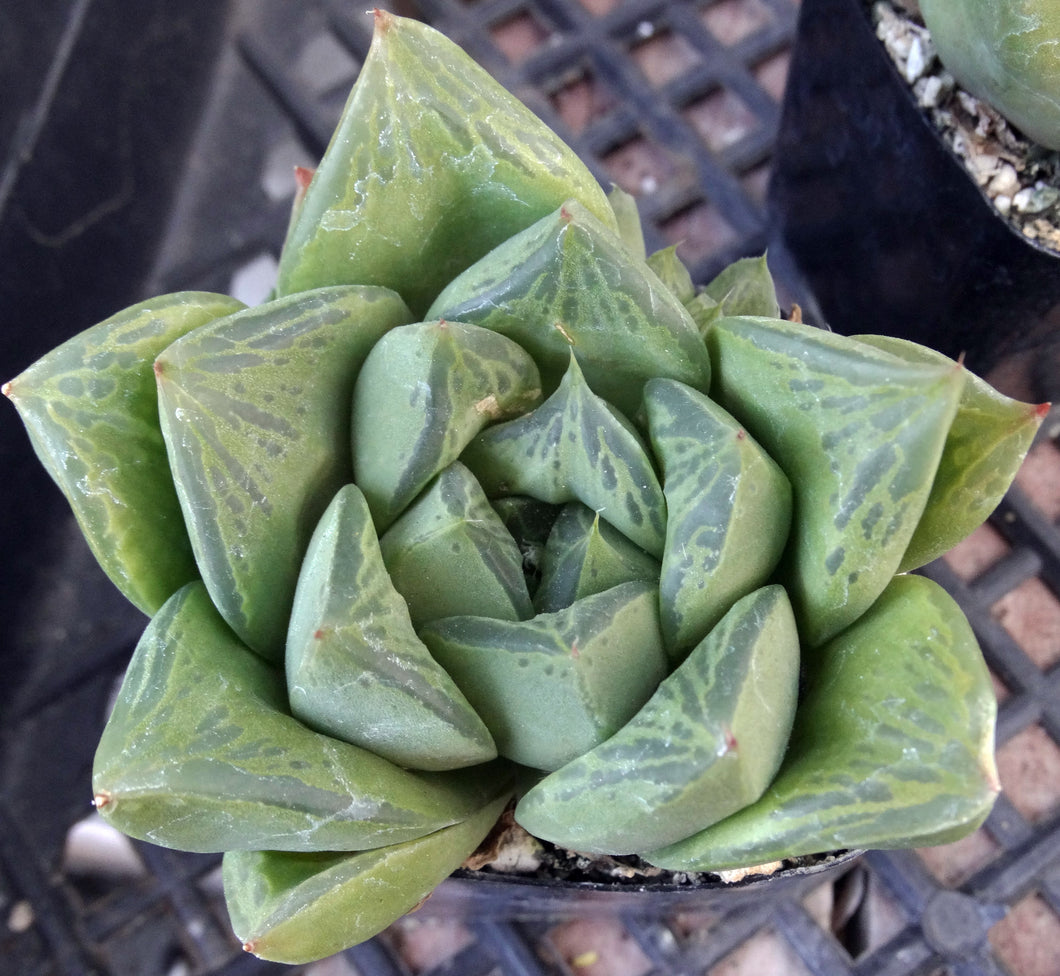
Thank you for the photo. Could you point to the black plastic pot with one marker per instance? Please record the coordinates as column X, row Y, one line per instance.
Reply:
column 521, row 897
column 890, row 231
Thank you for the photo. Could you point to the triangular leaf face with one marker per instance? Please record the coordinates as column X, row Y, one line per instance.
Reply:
column 745, row 287
column 673, row 273
column 255, row 412
column 859, row 434
column 700, row 749
column 986, row 444
column 450, row 554
column 201, row 754
column 574, row 447
column 432, row 165
column 91, row 410
column 424, row 392
column 356, row 669
column 584, row 670
column 567, row 285
column 585, row 555
column 892, row 745
column 728, row 511
column 297, row 908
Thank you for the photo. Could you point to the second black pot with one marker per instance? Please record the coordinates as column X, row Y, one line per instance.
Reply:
column 891, row 233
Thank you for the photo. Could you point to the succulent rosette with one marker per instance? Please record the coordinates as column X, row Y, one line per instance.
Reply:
column 486, row 506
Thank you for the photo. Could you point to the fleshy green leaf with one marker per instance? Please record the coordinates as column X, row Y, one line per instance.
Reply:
column 892, row 745
column 1004, row 54
column 574, row 447
column 745, row 287
column 859, row 433
column 432, row 164
column 356, row 669
column 450, row 554
column 255, row 412
column 704, row 311
column 707, row 743
column 627, row 217
column 568, row 284
column 986, row 444
column 728, row 511
column 201, row 754
column 553, row 687
column 91, row 410
column 673, row 273
column 424, row 392
column 297, row 908
column 585, row 555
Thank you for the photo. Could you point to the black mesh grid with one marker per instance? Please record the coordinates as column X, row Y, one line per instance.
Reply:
column 678, row 102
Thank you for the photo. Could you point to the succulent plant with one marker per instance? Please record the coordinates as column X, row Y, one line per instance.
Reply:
column 1005, row 53
column 485, row 505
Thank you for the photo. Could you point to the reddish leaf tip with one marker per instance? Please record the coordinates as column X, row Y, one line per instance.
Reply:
column 7, row 390
column 303, row 176
column 1041, row 411
column 101, row 799
column 384, row 19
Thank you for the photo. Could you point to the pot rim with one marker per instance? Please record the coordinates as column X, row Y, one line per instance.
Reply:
column 709, row 881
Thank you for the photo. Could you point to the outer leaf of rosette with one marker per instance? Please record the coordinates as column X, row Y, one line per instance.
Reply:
column 585, row 555
column 91, row 410
column 255, row 412
column 568, row 284
column 298, row 908
column 892, row 745
column 424, row 392
column 201, row 754
column 450, row 554
column 432, row 165
column 575, row 447
column 859, row 433
column 708, row 742
column 356, row 669
column 728, row 511
column 553, row 687
column 986, row 445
